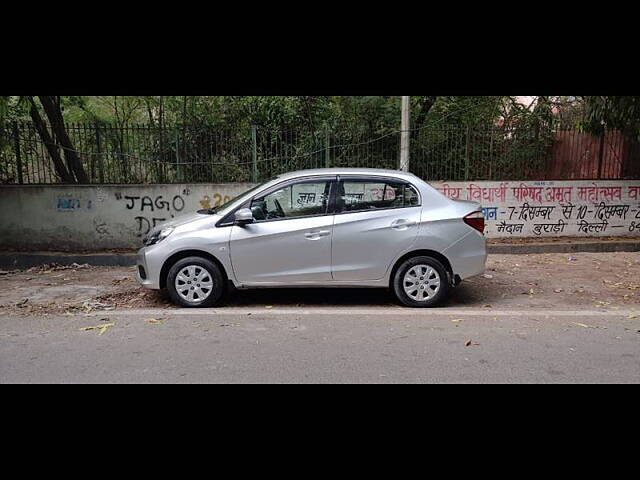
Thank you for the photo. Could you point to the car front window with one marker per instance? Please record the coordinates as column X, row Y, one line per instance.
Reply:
column 296, row 200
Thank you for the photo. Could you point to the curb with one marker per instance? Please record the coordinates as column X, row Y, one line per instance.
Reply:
column 20, row 260
column 559, row 247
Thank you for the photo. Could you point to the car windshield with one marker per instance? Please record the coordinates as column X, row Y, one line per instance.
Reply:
column 228, row 203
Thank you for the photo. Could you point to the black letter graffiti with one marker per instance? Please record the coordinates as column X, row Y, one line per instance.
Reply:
column 162, row 204
column 147, row 227
column 133, row 201
column 146, row 202
column 178, row 200
column 146, row 223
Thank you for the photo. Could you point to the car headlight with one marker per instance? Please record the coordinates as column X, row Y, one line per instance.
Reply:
column 158, row 236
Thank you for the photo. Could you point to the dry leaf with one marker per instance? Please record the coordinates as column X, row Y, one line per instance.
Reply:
column 582, row 325
column 102, row 328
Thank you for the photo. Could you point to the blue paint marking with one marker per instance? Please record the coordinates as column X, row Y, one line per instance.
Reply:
column 68, row 204
column 490, row 213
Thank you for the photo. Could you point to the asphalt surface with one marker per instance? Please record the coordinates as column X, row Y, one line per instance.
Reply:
column 549, row 318
column 324, row 345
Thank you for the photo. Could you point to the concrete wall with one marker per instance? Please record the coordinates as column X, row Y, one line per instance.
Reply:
column 553, row 209
column 99, row 217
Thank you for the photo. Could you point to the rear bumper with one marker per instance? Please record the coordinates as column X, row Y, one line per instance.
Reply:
column 468, row 256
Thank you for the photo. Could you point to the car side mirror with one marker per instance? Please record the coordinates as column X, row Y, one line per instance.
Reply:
column 244, row 217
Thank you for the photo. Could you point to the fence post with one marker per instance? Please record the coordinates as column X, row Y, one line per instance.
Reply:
column 327, row 146
column 16, row 140
column 601, row 154
column 491, row 153
column 404, row 133
column 178, row 169
column 254, row 154
column 466, row 155
column 100, row 159
column 161, row 165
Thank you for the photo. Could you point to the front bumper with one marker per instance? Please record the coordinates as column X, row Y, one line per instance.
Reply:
column 146, row 276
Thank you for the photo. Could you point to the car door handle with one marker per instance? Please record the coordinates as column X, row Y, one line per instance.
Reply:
column 317, row 235
column 402, row 224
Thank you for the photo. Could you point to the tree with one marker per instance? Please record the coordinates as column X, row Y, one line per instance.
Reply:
column 13, row 108
column 612, row 112
column 50, row 144
column 53, row 111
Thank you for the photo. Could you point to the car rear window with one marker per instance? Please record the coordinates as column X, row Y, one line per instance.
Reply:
column 362, row 195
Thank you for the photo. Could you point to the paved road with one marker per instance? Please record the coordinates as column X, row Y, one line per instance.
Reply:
column 353, row 343
column 530, row 318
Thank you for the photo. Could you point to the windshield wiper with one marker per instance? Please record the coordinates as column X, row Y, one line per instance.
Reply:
column 208, row 211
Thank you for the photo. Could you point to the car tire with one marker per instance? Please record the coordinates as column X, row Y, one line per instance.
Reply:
column 421, row 282
column 195, row 282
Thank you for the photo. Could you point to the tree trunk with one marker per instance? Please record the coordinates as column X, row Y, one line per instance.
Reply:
column 57, row 125
column 425, row 105
column 307, row 102
column 50, row 145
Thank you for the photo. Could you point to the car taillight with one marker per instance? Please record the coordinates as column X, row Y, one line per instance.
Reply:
column 475, row 220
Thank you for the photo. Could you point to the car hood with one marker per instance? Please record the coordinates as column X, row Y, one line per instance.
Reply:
column 186, row 218
column 188, row 222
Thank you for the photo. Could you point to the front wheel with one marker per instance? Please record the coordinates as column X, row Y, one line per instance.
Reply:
column 421, row 282
column 195, row 282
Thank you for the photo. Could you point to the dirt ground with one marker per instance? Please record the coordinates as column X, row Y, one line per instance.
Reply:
column 554, row 281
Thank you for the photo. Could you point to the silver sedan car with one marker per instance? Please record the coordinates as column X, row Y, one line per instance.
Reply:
column 321, row 228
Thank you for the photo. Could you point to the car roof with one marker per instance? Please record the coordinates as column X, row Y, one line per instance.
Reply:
column 347, row 171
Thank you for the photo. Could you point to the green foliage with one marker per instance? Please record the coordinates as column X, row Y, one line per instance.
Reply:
column 373, row 115
column 612, row 112
column 467, row 110
column 141, row 139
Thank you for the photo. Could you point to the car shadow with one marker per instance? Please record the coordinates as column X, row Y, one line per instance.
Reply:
column 465, row 295
column 310, row 297
column 469, row 295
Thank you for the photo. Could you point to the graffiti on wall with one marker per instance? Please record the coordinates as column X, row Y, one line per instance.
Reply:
column 68, row 203
column 214, row 200
column 524, row 209
column 150, row 211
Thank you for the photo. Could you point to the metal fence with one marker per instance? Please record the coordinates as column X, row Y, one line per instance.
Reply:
column 143, row 154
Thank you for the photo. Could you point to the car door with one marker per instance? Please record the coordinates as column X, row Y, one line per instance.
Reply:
column 376, row 219
column 289, row 241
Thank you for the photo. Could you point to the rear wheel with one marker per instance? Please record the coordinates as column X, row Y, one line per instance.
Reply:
column 421, row 282
column 195, row 282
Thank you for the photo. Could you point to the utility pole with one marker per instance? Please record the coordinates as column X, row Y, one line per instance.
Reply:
column 404, row 136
